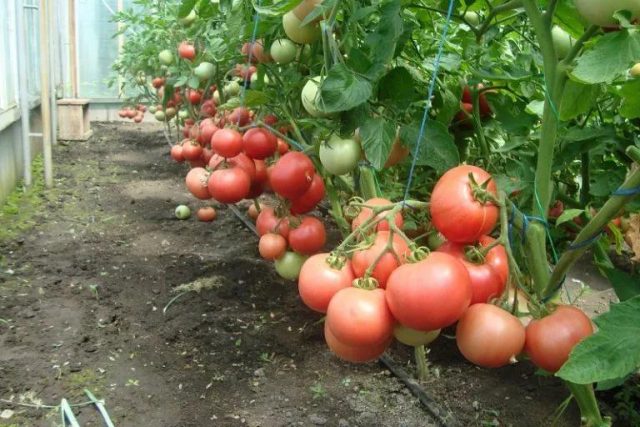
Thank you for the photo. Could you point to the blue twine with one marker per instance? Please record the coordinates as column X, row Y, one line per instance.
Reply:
column 556, row 289
column 432, row 85
column 245, row 80
column 526, row 219
column 627, row 191
column 585, row 243
column 512, row 216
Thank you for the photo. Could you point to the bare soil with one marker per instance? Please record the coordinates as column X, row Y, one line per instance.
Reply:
column 82, row 294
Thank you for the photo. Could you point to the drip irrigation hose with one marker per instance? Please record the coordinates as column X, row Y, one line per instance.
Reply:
column 442, row 417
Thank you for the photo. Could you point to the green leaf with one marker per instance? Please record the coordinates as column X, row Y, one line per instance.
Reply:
column 609, row 58
column 186, row 7
column 626, row 285
column 194, row 82
column 612, row 352
column 382, row 41
column 398, row 87
column 255, row 98
column 277, row 8
column 437, row 147
column 577, row 99
column 319, row 10
column 630, row 107
column 512, row 115
column 343, row 90
column 377, row 136
column 568, row 215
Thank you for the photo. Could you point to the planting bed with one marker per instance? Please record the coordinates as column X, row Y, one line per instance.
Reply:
column 83, row 289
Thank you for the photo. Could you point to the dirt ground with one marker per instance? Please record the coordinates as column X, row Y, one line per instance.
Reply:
column 82, row 293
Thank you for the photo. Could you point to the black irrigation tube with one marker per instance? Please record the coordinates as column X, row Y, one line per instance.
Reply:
column 442, row 417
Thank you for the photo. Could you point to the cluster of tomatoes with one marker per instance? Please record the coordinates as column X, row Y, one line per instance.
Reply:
column 385, row 287
column 136, row 114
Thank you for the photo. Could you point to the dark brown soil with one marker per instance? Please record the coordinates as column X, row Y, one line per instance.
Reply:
column 82, row 295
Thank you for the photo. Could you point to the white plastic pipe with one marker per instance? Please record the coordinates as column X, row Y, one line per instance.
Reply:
column 45, row 93
column 23, row 91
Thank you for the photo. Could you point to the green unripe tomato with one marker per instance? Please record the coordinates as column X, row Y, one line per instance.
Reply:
column 309, row 95
column 189, row 19
column 414, row 338
column 204, row 71
column 160, row 116
column 153, row 109
column 182, row 212
column 340, row 156
column 635, row 70
column 472, row 18
column 232, row 88
column 600, row 12
column 166, row 57
column 562, row 42
column 183, row 114
column 170, row 113
column 288, row 265
column 302, row 34
column 283, row 51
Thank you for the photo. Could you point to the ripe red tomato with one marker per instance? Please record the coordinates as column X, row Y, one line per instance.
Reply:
column 272, row 246
column 268, row 222
column 359, row 317
column 462, row 118
column 292, row 175
column 261, row 172
column 486, row 282
column 194, row 96
column 259, row 143
column 239, row 117
column 363, row 259
column 241, row 161
column 207, row 154
column 208, row 108
column 549, row 340
column 187, row 51
column 176, row 153
column 351, row 353
column 256, row 49
column 206, row 214
column 191, row 150
column 556, row 210
column 157, row 83
column 229, row 185
column 309, row 237
column 270, row 120
column 367, row 213
column 227, row 142
column 196, row 181
column 455, row 212
column 319, row 281
column 253, row 212
column 496, row 258
column 430, row 294
column 310, row 199
column 489, row 336
column 283, row 147
column 207, row 129
column 245, row 72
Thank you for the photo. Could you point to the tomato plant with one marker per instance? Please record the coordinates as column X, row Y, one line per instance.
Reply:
column 532, row 121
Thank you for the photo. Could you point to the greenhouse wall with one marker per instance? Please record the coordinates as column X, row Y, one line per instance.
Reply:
column 96, row 49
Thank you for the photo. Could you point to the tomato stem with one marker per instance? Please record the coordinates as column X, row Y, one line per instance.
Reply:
column 586, row 400
column 422, row 364
column 388, row 248
column 609, row 211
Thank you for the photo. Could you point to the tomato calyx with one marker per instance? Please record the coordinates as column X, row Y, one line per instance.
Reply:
column 366, row 283
column 417, row 254
column 336, row 260
column 481, row 193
